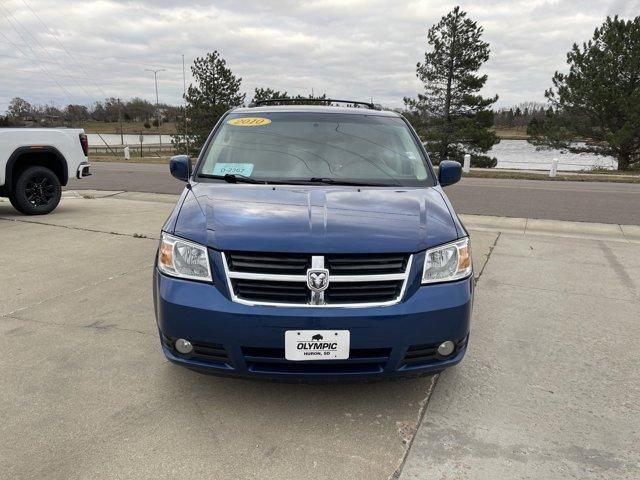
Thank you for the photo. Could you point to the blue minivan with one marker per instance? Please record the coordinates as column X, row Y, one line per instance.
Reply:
column 313, row 241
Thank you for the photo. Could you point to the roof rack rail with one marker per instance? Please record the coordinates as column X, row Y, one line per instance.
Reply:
column 328, row 101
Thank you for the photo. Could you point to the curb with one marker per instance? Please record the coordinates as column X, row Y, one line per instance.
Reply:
column 555, row 228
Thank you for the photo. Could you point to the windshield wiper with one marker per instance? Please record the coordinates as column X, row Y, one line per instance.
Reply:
column 233, row 178
column 336, row 181
column 238, row 178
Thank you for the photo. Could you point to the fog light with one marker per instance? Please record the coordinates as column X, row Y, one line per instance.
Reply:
column 184, row 346
column 446, row 348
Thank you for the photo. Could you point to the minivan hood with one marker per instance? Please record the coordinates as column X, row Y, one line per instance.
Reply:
column 315, row 219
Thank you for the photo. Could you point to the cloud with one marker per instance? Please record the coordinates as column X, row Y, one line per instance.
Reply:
column 80, row 51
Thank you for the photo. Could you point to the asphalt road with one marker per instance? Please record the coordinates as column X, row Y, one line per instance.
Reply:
column 574, row 201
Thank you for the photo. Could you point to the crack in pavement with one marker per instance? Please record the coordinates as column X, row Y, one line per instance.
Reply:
column 79, row 289
column 491, row 248
column 91, row 326
column 421, row 414
column 134, row 235
column 93, row 197
column 618, row 267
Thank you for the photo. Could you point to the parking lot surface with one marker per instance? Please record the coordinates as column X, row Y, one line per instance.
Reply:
column 550, row 387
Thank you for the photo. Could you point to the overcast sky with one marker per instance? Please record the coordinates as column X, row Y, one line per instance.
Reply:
column 83, row 50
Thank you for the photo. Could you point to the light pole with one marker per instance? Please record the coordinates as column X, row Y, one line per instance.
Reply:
column 155, row 76
column 184, row 112
column 120, row 120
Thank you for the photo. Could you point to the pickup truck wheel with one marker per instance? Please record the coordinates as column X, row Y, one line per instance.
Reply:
column 37, row 191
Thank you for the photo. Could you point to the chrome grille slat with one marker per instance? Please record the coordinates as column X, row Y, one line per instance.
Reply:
column 280, row 279
column 303, row 278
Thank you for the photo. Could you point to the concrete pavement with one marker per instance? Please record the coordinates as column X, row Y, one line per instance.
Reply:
column 549, row 388
column 572, row 201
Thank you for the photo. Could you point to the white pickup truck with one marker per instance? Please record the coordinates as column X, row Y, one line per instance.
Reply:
column 35, row 163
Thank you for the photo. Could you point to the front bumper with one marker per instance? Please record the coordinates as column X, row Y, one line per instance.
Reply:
column 242, row 340
column 83, row 170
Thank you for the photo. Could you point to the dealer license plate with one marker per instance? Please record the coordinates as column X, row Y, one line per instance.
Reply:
column 302, row 345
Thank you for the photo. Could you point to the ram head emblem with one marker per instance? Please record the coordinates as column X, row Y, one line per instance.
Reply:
column 317, row 279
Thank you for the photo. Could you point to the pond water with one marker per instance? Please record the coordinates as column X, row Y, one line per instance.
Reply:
column 516, row 154
column 520, row 154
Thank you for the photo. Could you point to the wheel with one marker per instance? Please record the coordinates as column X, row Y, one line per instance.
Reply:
column 37, row 191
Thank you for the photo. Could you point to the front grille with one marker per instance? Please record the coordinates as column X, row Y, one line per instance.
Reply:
column 363, row 354
column 272, row 360
column 273, row 263
column 363, row 292
column 273, row 292
column 281, row 278
column 210, row 351
column 377, row 264
column 421, row 354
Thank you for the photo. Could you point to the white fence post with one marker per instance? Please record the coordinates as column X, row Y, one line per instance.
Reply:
column 467, row 163
column 127, row 153
column 554, row 167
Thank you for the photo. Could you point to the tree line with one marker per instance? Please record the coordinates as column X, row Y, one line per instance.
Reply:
column 596, row 102
column 20, row 112
column 519, row 115
column 111, row 110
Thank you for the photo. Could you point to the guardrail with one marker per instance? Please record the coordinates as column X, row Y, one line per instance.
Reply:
column 553, row 166
column 118, row 150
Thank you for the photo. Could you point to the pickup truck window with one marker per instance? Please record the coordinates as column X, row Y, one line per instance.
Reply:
column 331, row 147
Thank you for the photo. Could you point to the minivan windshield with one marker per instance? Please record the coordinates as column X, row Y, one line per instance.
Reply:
column 301, row 147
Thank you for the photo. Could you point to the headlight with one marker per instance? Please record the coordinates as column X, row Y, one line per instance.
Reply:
column 448, row 262
column 180, row 258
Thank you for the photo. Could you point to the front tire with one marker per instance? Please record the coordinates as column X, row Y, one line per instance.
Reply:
column 37, row 191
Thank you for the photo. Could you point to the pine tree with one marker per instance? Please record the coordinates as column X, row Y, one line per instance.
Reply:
column 268, row 94
column 216, row 90
column 271, row 94
column 599, row 99
column 451, row 115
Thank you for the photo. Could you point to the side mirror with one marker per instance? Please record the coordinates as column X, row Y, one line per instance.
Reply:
column 449, row 172
column 180, row 167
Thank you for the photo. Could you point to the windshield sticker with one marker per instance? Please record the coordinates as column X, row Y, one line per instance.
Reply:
column 244, row 169
column 249, row 121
